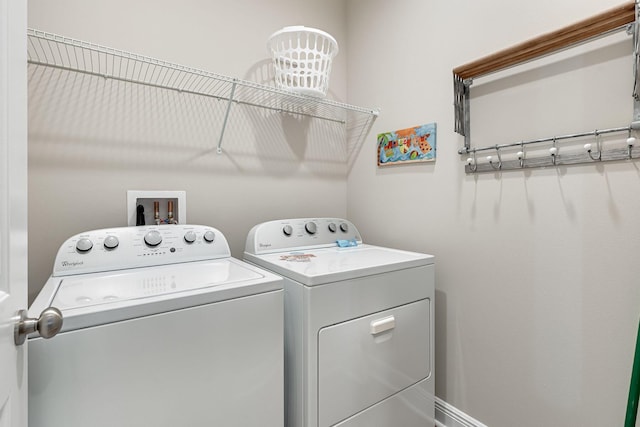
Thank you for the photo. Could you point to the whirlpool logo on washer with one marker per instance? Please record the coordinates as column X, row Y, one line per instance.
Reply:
column 72, row 264
column 264, row 245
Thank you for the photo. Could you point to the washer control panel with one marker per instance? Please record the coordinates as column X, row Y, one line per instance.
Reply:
column 301, row 233
column 131, row 247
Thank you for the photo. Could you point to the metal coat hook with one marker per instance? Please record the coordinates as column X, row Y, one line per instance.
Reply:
column 587, row 147
column 631, row 141
column 536, row 159
column 521, row 155
column 553, row 151
column 472, row 162
column 490, row 159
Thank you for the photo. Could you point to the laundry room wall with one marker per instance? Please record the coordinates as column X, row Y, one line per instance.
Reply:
column 92, row 139
column 537, row 289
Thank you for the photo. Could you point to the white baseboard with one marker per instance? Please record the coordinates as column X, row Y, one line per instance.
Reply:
column 450, row 416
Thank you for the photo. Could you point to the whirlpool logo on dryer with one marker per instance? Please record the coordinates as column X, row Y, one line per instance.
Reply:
column 72, row 263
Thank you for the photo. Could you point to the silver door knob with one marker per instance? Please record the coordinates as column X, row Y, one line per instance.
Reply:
column 47, row 325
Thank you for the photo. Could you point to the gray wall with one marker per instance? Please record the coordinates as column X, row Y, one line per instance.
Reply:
column 537, row 296
column 537, row 287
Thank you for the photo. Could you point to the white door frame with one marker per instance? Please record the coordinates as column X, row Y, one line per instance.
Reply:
column 13, row 208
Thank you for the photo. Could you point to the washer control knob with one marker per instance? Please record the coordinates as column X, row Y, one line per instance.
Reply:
column 344, row 227
column 332, row 227
column 84, row 245
column 190, row 236
column 287, row 230
column 209, row 236
column 153, row 238
column 111, row 242
column 311, row 227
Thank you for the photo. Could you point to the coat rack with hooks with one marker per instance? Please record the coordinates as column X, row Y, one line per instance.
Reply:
column 64, row 53
column 590, row 152
column 623, row 17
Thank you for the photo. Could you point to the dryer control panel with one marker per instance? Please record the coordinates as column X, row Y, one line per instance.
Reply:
column 131, row 247
column 300, row 233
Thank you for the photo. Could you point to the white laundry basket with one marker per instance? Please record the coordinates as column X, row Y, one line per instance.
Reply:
column 302, row 58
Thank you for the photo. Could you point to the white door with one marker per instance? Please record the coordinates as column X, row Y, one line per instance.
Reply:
column 13, row 208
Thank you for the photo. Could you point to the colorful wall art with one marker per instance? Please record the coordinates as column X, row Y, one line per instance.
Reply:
column 411, row 145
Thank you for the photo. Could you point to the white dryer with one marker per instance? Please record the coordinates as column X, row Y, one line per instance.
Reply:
column 358, row 325
column 161, row 328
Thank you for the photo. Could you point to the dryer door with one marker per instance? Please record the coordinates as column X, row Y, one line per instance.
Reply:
column 365, row 360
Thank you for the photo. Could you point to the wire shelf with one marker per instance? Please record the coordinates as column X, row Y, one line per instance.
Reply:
column 64, row 53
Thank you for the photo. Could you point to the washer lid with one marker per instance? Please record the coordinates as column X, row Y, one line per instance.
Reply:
column 319, row 266
column 93, row 299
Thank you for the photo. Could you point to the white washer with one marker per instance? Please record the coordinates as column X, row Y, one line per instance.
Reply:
column 161, row 328
column 358, row 325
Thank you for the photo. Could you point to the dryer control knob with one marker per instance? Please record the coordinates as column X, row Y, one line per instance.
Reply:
column 84, row 245
column 190, row 236
column 344, row 227
column 311, row 227
column 209, row 236
column 332, row 227
column 111, row 242
column 153, row 238
column 287, row 230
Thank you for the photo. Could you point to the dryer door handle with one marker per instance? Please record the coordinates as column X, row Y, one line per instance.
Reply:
column 381, row 325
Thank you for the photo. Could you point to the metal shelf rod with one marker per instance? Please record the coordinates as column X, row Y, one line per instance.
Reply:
column 615, row 154
column 295, row 113
column 464, row 150
column 127, row 80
